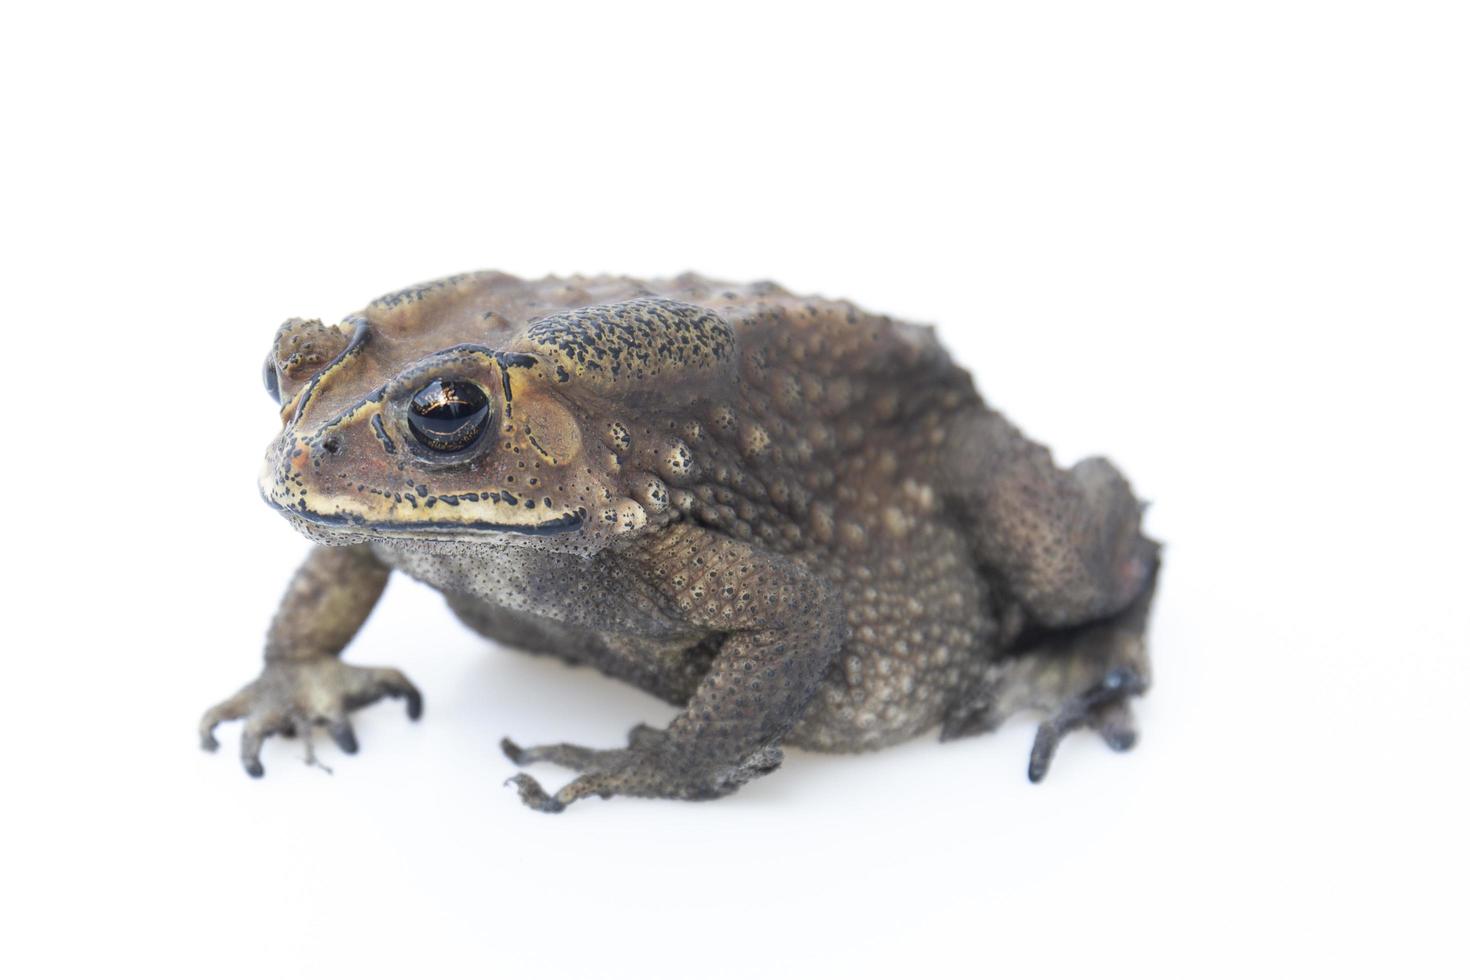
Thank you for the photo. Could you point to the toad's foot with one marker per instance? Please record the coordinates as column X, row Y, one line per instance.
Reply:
column 1085, row 676
column 1102, row 707
column 652, row 765
column 290, row 697
column 1079, row 687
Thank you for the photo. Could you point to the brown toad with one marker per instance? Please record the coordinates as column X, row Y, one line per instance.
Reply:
column 793, row 518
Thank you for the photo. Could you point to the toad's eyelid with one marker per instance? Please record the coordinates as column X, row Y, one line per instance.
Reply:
column 437, row 364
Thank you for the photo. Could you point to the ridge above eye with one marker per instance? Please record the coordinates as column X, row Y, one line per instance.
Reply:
column 447, row 415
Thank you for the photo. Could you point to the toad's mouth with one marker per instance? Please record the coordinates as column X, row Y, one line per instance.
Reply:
column 356, row 523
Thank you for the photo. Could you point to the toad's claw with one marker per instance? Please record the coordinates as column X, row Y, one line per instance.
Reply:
column 1104, row 707
column 291, row 697
column 533, row 795
column 1114, row 722
column 538, row 799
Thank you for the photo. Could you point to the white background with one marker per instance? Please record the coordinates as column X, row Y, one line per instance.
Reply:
column 1225, row 244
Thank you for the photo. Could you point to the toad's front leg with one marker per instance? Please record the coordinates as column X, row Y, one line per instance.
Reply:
column 303, row 683
column 782, row 626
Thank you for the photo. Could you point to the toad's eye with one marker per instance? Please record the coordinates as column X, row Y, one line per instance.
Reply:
column 448, row 416
column 272, row 383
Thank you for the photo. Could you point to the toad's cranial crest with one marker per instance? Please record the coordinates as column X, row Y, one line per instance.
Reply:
column 793, row 518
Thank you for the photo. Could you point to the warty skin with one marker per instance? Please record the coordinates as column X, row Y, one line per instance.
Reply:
column 795, row 519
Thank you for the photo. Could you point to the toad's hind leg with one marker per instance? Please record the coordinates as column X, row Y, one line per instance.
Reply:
column 1074, row 577
column 1085, row 676
column 1064, row 545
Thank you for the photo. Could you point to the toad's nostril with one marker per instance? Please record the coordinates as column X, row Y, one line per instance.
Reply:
column 332, row 445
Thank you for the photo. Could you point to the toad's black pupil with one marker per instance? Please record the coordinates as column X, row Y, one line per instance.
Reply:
column 447, row 416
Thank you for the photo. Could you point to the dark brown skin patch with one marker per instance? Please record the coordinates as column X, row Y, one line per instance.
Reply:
column 794, row 518
column 636, row 342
